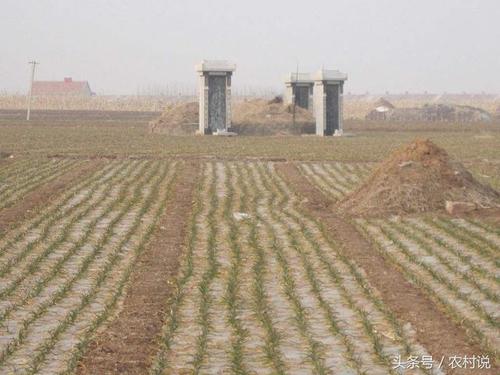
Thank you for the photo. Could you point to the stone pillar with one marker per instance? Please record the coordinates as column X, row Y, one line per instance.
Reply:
column 299, row 90
column 228, row 103
column 328, row 99
column 289, row 97
column 215, row 96
column 311, row 98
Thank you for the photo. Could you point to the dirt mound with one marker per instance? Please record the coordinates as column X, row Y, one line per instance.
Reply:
column 384, row 103
column 262, row 117
column 430, row 113
column 276, row 100
column 251, row 117
column 419, row 177
column 177, row 119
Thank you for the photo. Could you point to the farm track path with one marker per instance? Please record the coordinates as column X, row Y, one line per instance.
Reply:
column 435, row 330
column 41, row 196
column 128, row 344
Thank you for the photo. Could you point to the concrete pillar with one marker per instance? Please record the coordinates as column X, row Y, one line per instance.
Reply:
column 215, row 96
column 328, row 99
column 299, row 90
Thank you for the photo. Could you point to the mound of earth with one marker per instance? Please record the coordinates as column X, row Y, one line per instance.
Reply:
column 262, row 117
column 419, row 177
column 431, row 113
column 276, row 100
column 252, row 117
column 382, row 102
column 177, row 119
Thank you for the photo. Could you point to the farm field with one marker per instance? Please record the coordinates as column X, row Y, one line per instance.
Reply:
column 25, row 175
column 124, row 134
column 270, row 293
column 455, row 260
column 64, row 269
column 261, row 282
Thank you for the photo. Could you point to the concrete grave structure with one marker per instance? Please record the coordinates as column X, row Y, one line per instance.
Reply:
column 328, row 97
column 215, row 96
column 299, row 90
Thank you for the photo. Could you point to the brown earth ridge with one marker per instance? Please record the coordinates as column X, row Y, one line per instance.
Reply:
column 129, row 343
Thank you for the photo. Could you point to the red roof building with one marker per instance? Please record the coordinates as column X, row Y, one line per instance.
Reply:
column 67, row 87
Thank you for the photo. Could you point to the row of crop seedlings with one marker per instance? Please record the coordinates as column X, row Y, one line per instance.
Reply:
column 19, row 178
column 365, row 346
column 456, row 261
column 63, row 271
column 263, row 290
column 42, row 244
column 74, row 195
column 10, row 168
column 336, row 179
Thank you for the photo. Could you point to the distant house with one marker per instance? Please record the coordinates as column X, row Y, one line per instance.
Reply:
column 67, row 87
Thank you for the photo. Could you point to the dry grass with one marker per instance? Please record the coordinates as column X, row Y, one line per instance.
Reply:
column 355, row 106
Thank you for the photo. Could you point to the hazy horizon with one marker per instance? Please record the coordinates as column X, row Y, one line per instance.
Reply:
column 384, row 46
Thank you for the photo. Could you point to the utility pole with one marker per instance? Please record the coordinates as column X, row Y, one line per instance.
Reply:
column 33, row 65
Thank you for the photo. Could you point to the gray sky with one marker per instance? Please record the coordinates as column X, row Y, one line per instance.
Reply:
column 384, row 45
